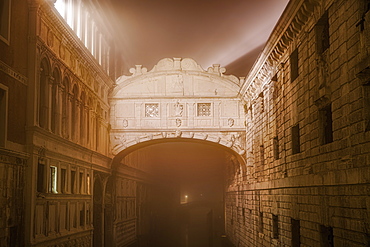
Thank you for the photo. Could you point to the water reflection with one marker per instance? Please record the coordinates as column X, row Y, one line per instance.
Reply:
column 196, row 224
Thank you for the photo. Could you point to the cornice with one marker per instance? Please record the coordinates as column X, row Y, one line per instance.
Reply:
column 68, row 143
column 13, row 153
column 74, row 41
column 12, row 73
column 73, row 76
column 289, row 26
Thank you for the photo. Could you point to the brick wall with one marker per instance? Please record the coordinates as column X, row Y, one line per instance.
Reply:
column 308, row 149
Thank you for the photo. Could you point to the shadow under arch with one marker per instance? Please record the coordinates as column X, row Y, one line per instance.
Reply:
column 125, row 151
column 168, row 214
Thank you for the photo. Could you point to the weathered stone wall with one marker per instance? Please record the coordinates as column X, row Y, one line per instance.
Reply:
column 67, row 132
column 12, row 167
column 312, row 179
column 177, row 98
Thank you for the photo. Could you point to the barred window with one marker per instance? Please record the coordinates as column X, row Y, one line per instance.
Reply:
column 204, row 109
column 296, row 143
column 5, row 6
column 151, row 110
column 294, row 65
column 322, row 34
column 326, row 122
column 275, row 226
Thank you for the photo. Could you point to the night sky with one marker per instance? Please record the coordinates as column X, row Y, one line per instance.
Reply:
column 230, row 33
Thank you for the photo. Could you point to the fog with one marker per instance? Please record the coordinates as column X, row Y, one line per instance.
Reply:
column 210, row 32
column 187, row 194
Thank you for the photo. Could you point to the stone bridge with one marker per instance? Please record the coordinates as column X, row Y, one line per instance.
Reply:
column 177, row 99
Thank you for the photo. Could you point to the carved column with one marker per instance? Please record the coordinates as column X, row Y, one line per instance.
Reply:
column 43, row 99
column 84, row 124
column 88, row 126
column 93, row 130
column 55, row 107
column 69, row 117
column 98, row 131
column 76, row 121
column 49, row 101
column 59, row 107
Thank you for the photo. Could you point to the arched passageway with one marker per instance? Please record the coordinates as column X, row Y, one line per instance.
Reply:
column 177, row 134
column 179, row 195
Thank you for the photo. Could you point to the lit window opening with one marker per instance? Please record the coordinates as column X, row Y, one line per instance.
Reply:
column 60, row 6
column 53, row 179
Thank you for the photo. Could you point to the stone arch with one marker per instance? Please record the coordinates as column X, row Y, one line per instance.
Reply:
column 65, row 105
column 212, row 109
column 55, row 103
column 74, row 111
column 43, row 87
column 98, row 125
column 89, row 121
column 83, row 117
column 121, row 151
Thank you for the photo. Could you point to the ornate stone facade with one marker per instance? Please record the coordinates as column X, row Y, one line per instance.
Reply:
column 177, row 99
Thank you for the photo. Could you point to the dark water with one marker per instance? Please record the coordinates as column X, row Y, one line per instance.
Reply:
column 193, row 225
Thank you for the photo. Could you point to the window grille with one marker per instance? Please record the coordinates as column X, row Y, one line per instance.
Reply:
column 151, row 110
column 204, row 109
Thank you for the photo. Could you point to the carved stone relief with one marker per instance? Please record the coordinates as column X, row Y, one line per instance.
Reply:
column 179, row 109
column 178, row 122
column 50, row 38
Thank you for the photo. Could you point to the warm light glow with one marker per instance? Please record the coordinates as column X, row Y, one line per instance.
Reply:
column 80, row 21
column 53, row 179
column 186, row 196
column 60, row 6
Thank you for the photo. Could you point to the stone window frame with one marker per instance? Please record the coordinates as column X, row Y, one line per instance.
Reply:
column 84, row 180
column 148, row 114
column 326, row 124
column 295, row 225
column 63, row 179
column 6, row 19
column 276, row 147
column 322, row 34
column 326, row 235
column 78, row 17
column 200, row 112
column 41, row 175
column 294, row 64
column 4, row 96
column 73, row 181
column 88, row 183
column 53, row 179
column 81, row 215
column 275, row 226
column 296, row 139
column 81, row 181
column 366, row 105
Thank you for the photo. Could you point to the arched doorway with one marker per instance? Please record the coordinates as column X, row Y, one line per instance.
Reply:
column 170, row 128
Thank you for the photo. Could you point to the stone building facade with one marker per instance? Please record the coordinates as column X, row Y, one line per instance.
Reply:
column 307, row 176
column 296, row 131
column 13, row 92
column 57, row 66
